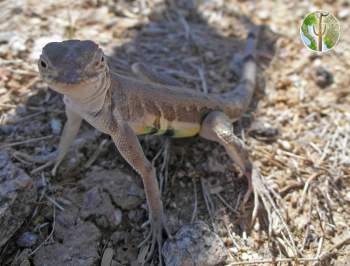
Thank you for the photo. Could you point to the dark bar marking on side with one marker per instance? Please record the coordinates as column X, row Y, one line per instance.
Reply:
column 169, row 132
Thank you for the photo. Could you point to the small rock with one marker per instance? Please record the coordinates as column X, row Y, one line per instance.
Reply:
column 79, row 245
column 17, row 195
column 107, row 257
column 194, row 244
column 300, row 222
column 286, row 145
column 118, row 215
column 263, row 14
column 323, row 77
column 121, row 187
column 246, row 256
column 56, row 126
column 97, row 205
column 344, row 13
column 27, row 240
column 263, row 131
column 17, row 44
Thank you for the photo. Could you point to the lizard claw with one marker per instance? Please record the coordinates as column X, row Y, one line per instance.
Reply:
column 54, row 169
column 153, row 239
column 50, row 160
column 48, row 163
column 250, row 190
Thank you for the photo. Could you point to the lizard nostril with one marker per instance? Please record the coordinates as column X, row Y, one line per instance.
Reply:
column 43, row 64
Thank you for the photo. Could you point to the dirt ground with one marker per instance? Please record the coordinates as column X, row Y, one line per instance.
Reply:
column 297, row 131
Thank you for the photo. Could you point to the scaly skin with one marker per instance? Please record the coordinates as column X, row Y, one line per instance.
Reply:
column 124, row 107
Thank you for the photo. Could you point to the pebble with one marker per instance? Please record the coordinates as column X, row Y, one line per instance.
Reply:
column 245, row 256
column 107, row 257
column 263, row 131
column 17, row 44
column 123, row 188
column 17, row 195
column 263, row 14
column 194, row 244
column 118, row 215
column 323, row 77
column 78, row 245
column 56, row 126
column 343, row 14
column 27, row 240
column 286, row 145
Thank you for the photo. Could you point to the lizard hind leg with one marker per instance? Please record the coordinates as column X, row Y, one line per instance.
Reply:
column 217, row 127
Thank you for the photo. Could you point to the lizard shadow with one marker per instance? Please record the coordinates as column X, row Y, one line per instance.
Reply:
column 178, row 40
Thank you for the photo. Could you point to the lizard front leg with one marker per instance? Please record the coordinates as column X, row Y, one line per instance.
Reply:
column 129, row 147
column 70, row 131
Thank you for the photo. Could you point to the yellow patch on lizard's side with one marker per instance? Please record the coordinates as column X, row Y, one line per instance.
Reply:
column 184, row 133
column 173, row 129
column 184, row 129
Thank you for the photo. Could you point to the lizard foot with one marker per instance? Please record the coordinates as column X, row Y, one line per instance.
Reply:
column 256, row 187
column 270, row 202
column 46, row 162
column 153, row 239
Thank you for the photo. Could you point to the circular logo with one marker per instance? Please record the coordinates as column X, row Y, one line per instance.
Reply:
column 320, row 31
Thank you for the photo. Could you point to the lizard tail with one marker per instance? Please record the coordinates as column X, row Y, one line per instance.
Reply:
column 236, row 102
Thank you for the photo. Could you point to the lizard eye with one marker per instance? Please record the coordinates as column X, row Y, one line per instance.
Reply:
column 43, row 64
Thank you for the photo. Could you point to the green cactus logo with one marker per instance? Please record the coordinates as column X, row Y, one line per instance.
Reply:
column 320, row 31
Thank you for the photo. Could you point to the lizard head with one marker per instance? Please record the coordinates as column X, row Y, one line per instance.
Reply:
column 70, row 65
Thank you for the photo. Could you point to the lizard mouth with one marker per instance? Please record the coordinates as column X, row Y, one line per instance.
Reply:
column 63, row 84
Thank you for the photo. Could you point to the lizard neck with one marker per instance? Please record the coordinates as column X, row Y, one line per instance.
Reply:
column 92, row 98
